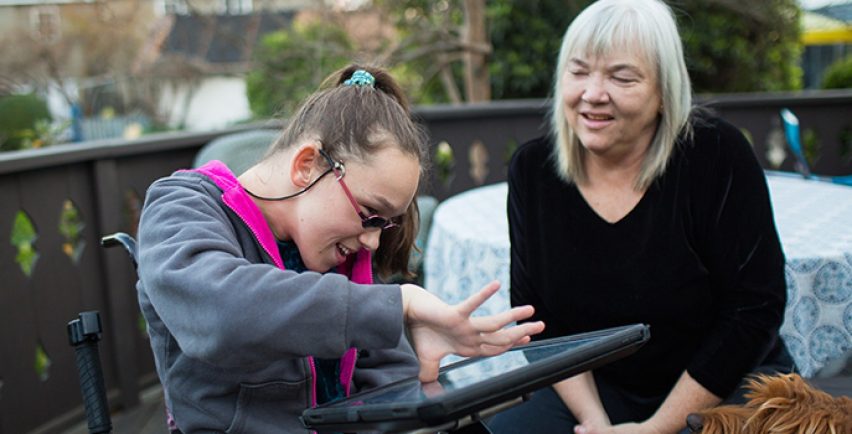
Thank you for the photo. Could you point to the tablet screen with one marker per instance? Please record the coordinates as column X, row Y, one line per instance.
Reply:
column 466, row 373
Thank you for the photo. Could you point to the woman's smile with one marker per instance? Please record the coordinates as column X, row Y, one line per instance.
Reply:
column 595, row 121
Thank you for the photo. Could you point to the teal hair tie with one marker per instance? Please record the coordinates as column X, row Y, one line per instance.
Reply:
column 361, row 78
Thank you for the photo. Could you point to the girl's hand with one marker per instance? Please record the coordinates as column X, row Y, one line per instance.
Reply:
column 438, row 329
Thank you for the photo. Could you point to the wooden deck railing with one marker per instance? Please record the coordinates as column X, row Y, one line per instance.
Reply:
column 58, row 202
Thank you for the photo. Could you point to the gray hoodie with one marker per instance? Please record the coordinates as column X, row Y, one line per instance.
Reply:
column 233, row 332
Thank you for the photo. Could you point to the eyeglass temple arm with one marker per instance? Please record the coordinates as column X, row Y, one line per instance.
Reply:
column 339, row 172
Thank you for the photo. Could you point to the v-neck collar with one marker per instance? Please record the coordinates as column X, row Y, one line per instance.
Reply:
column 626, row 217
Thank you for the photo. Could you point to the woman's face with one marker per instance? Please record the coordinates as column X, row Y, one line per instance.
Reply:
column 329, row 229
column 612, row 103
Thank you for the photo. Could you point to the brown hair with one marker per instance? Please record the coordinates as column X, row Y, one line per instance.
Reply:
column 353, row 122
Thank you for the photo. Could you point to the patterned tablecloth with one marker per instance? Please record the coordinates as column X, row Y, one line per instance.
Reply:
column 469, row 247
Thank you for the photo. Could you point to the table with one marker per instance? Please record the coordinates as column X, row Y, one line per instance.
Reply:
column 469, row 246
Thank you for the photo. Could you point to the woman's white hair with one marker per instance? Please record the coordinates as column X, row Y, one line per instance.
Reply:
column 644, row 26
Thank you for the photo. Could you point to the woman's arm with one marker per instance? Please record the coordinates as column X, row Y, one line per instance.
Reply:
column 521, row 212
column 580, row 395
column 687, row 396
column 739, row 246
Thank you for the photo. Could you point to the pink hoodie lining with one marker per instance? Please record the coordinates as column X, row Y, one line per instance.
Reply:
column 360, row 271
column 236, row 198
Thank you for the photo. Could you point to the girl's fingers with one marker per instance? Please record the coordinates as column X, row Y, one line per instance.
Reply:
column 527, row 329
column 504, row 339
column 429, row 370
column 512, row 335
column 432, row 389
column 474, row 301
column 496, row 322
column 493, row 350
column 485, row 336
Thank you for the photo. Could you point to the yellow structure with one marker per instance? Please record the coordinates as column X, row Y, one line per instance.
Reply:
column 821, row 30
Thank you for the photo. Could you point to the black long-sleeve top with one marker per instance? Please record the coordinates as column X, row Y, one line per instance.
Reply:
column 698, row 259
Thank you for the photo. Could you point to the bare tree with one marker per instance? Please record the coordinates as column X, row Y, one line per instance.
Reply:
column 476, row 59
column 440, row 35
column 96, row 45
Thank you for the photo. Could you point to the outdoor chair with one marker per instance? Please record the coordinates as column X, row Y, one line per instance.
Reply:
column 238, row 151
column 426, row 205
column 794, row 143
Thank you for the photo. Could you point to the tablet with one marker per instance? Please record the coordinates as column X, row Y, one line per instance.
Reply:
column 477, row 387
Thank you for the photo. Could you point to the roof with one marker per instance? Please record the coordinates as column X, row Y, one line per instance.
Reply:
column 842, row 12
column 215, row 43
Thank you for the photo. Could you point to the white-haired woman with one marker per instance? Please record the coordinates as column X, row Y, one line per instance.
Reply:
column 638, row 208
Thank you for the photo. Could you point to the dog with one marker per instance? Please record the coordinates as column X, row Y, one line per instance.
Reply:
column 779, row 404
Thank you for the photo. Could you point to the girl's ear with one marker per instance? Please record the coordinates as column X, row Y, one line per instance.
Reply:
column 303, row 164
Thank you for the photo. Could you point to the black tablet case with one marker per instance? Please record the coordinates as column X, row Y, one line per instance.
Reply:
column 447, row 409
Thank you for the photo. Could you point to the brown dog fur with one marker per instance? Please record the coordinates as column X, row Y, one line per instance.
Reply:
column 781, row 404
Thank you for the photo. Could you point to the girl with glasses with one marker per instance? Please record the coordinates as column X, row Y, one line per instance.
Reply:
column 258, row 289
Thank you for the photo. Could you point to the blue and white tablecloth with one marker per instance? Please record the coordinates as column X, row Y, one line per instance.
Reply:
column 469, row 247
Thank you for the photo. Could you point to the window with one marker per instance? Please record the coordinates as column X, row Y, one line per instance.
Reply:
column 171, row 7
column 235, row 7
column 45, row 23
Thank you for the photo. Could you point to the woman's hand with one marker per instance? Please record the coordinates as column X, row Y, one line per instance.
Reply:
column 438, row 329
column 623, row 428
column 589, row 427
column 687, row 396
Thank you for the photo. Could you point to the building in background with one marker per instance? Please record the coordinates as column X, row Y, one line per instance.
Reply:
column 118, row 67
column 827, row 38
column 71, row 54
column 200, row 55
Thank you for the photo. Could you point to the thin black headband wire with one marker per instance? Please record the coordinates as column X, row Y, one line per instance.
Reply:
column 335, row 166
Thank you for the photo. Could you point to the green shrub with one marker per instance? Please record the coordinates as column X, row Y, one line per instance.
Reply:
column 838, row 75
column 290, row 65
column 731, row 48
column 19, row 115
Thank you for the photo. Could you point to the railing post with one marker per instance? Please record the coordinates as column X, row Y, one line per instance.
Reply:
column 120, row 298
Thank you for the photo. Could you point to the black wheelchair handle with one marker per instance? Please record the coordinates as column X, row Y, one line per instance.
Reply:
column 84, row 334
column 124, row 240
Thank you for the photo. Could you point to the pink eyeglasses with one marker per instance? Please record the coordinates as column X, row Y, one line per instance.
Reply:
column 368, row 222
